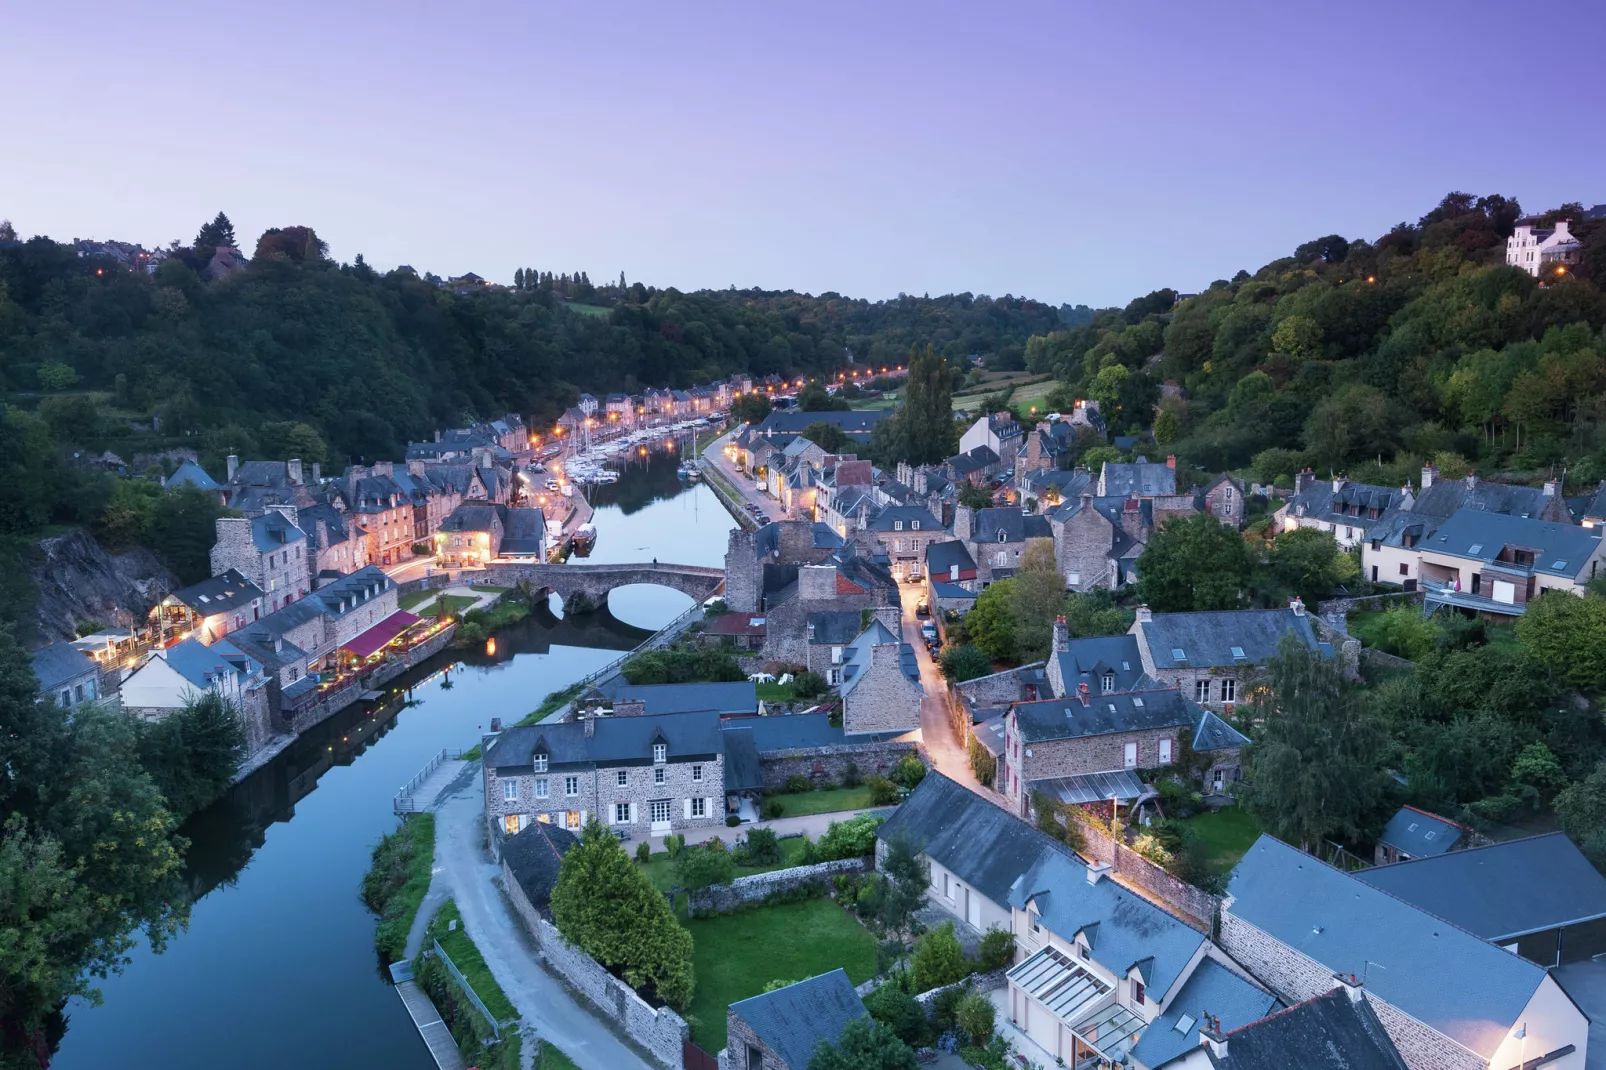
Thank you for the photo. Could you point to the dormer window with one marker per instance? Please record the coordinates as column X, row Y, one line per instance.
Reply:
column 540, row 763
column 897, row 525
column 1109, row 682
column 914, row 525
column 660, row 752
column 1003, row 536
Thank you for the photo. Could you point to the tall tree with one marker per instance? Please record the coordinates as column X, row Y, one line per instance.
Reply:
column 1194, row 563
column 217, row 232
column 518, row 278
column 1315, row 770
column 923, row 430
column 1038, row 597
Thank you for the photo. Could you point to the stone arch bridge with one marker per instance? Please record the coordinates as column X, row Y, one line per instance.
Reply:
column 592, row 580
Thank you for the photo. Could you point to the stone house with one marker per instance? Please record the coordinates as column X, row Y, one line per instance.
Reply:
column 1097, row 541
column 902, row 532
column 996, row 538
column 1413, row 833
column 1214, row 658
column 384, row 509
column 1448, row 999
column 999, row 432
column 1345, row 510
column 949, row 561
column 779, row 1030
column 831, row 632
column 1392, row 554
column 766, row 561
column 269, row 550
column 337, row 544
column 66, row 675
column 879, row 682
column 252, row 486
column 1106, row 664
column 1087, row 748
column 743, row 630
column 978, row 466
column 842, row 582
column 208, row 610
column 638, row 775
column 1339, row 1030
column 479, row 532
column 531, row 859
column 1048, row 447
column 173, row 677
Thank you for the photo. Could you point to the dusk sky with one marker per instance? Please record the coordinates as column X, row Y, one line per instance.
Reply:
column 1072, row 152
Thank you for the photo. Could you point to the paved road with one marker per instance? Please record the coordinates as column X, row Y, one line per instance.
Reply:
column 948, row 754
column 542, row 1001
column 746, row 489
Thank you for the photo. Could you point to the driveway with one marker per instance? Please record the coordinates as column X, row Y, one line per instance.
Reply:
column 948, row 754
column 543, row 1003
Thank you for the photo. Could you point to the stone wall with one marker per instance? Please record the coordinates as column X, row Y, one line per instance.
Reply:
column 659, row 1030
column 744, row 573
column 739, row 1039
column 1336, row 610
column 998, row 689
column 980, row 982
column 830, row 763
column 521, row 902
column 1133, row 868
column 723, row 898
column 883, row 699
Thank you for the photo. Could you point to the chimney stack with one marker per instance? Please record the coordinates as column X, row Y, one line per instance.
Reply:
column 1212, row 1037
column 292, row 470
column 1062, row 635
column 234, row 466
column 1303, row 480
column 1351, row 985
column 1472, row 480
column 1552, row 488
column 1097, row 871
column 1430, row 472
column 590, row 717
column 317, row 472
column 1338, row 483
column 1144, row 615
column 1171, row 461
column 1082, row 693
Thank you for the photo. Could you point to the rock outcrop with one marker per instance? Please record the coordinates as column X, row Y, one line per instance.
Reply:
column 79, row 581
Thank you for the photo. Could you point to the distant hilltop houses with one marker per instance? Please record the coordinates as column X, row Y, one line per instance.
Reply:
column 1539, row 250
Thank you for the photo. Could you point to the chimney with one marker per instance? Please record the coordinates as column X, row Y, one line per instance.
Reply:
column 1472, row 480
column 1097, row 871
column 590, row 717
column 1297, row 605
column 383, row 468
column 1171, row 461
column 292, row 470
column 1144, row 615
column 1351, row 985
column 1303, row 480
column 964, row 523
column 1552, row 488
column 1430, row 472
column 1561, row 229
column 278, row 643
column 1062, row 635
column 1212, row 1037
column 1338, row 483
column 437, row 434
column 317, row 472
column 496, row 724
column 1082, row 693
column 234, row 466
column 415, row 467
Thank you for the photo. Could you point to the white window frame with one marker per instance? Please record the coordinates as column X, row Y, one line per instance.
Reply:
column 618, row 809
column 660, row 752
column 543, row 787
column 696, row 774
column 1201, row 691
column 510, row 791
column 654, row 809
column 1129, row 757
column 658, row 775
column 1165, row 752
column 699, row 807
column 571, row 787
column 540, row 763
column 1109, row 682
column 621, row 778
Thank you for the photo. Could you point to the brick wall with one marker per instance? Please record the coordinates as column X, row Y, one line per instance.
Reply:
column 724, row 898
column 883, row 699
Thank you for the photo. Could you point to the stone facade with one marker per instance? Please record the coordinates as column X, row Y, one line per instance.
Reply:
column 741, row 1041
column 281, row 573
column 689, row 784
column 831, row 763
column 1224, row 500
column 1001, row 688
column 882, row 698
column 1082, row 545
column 723, row 898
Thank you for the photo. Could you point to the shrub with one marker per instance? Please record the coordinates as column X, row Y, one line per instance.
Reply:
column 975, row 1017
column 1404, row 632
column 825, row 785
column 715, row 608
column 938, row 959
column 797, row 784
column 810, row 854
column 763, row 849
column 982, row 762
column 909, row 771
column 673, row 844
column 771, row 809
column 643, row 852
column 867, row 903
column 778, row 983
column 850, row 776
column 809, row 685
column 705, row 865
column 422, row 549
column 731, row 821
column 944, row 1008
column 883, row 792
column 853, row 838
column 961, row 662
column 996, row 950
column 898, row 1011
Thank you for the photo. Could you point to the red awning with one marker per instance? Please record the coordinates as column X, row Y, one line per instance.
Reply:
column 380, row 634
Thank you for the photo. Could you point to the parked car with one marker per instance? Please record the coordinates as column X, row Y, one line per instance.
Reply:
column 922, row 610
column 915, row 577
column 928, row 631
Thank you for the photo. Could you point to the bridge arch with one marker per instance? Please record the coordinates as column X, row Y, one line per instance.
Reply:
column 596, row 580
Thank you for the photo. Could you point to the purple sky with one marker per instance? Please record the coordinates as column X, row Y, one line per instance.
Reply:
column 1073, row 152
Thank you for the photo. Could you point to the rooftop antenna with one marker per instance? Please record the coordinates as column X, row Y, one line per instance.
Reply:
column 1367, row 969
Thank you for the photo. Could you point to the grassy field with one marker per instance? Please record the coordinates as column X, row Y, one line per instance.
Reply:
column 549, row 1058
column 885, row 401
column 661, row 871
column 413, row 599
column 736, row 955
column 487, row 588
column 823, row 802
column 1028, row 389
column 450, row 605
column 775, row 692
column 414, row 845
column 1227, row 833
column 468, row 959
column 586, row 310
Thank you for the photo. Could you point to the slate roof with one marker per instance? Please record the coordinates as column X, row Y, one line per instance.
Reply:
column 524, row 532
column 1560, row 549
column 951, row 590
column 190, row 474
column 1211, row 989
column 855, row 422
column 1130, row 931
column 1320, row 501
column 1446, row 497
column 273, row 531
column 972, row 460
column 1595, row 510
column 856, row 658
column 323, row 524
column 1501, row 891
column 1088, row 661
column 1420, row 834
column 1142, row 477
column 616, row 741
column 792, row 1021
column 533, row 857
column 912, row 517
column 1015, row 526
column 201, row 664
column 836, row 627
column 792, row 731
column 740, row 696
column 941, row 557
column 1127, row 711
column 744, row 769
column 1329, row 1032
column 1207, row 639
column 61, row 663
column 977, row 841
column 1466, row 988
column 218, row 594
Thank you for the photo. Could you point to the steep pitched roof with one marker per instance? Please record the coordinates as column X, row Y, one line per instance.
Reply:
column 60, row 663
column 1011, row 523
column 534, row 856
column 794, row 1020
column 1501, row 891
column 1127, row 711
column 1132, row 932
column 1330, row 1032
column 1559, row 549
column 218, row 594
column 977, row 841
column 273, row 531
column 836, row 627
column 1089, row 660
column 615, row 741
column 1211, row 991
column 738, row 697
column 856, row 658
column 190, row 474
column 1142, row 478
column 1464, row 987
column 1215, row 638
column 1421, row 834
column 200, row 665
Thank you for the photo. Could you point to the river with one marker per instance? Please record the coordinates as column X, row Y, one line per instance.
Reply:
column 277, row 967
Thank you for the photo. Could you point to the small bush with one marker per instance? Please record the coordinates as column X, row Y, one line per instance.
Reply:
column 938, row 959
column 673, row 845
column 643, row 852
column 975, row 1017
column 731, row 821
column 853, row 838
column 909, row 772
column 762, row 848
column 850, row 776
column 883, row 792
column 797, row 784
column 996, row 950
column 810, row 854
column 944, row 1008
column 825, row 785
column 898, row 1011
column 867, row 903
column 809, row 685
column 771, row 809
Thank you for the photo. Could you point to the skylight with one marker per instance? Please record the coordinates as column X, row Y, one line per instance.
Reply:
column 1475, row 548
column 1558, row 565
column 1185, row 1024
column 1238, row 652
column 1137, row 702
column 1112, row 707
column 1126, row 667
column 1177, row 654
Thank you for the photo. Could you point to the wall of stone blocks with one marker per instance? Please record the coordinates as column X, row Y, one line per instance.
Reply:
column 831, row 763
column 724, row 898
column 998, row 689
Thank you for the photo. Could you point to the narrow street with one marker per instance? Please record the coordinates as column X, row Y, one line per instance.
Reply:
column 943, row 745
column 543, row 1003
column 746, row 490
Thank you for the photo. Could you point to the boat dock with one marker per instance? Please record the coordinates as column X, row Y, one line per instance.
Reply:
column 438, row 1038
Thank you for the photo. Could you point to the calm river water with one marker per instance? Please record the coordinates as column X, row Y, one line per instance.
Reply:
column 277, row 968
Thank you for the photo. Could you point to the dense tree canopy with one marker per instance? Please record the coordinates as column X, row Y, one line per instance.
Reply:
column 1194, row 563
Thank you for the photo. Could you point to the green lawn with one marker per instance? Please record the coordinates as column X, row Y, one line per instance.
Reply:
column 662, row 872
column 823, row 802
column 467, row 958
column 586, row 310
column 413, row 599
column 450, row 605
column 775, row 692
column 735, row 955
column 1227, row 834
column 488, row 588
column 885, row 401
column 549, row 1058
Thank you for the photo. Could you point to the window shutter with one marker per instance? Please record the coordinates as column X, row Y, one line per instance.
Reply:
column 688, row 808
